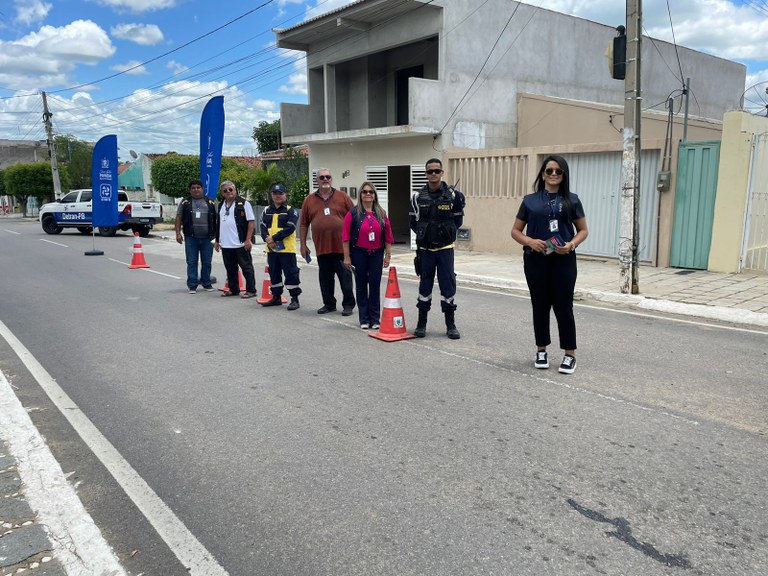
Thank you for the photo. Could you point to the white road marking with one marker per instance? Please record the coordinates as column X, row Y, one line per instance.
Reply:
column 126, row 264
column 77, row 541
column 187, row 548
column 52, row 242
column 12, row 232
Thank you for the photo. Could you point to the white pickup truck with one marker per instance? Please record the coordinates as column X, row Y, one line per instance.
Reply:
column 74, row 210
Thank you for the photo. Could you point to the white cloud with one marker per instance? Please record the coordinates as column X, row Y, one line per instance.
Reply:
column 176, row 67
column 297, row 82
column 133, row 67
column 722, row 27
column 142, row 34
column 48, row 56
column 29, row 11
column 155, row 121
column 138, row 6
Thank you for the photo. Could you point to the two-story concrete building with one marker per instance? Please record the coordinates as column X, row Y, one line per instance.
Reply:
column 392, row 83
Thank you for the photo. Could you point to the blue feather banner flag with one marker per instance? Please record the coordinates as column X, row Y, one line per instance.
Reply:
column 104, row 182
column 211, row 145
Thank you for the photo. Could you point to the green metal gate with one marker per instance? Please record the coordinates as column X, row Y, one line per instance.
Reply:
column 694, row 204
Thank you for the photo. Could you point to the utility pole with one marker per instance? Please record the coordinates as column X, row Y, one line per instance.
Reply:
column 51, row 148
column 630, row 165
column 687, row 94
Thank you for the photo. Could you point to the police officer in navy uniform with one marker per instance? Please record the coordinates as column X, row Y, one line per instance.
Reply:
column 437, row 212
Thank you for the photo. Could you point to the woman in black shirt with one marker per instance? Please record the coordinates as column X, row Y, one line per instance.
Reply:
column 554, row 223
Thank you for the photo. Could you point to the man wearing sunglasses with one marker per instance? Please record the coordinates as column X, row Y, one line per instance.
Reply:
column 234, row 239
column 437, row 212
column 324, row 210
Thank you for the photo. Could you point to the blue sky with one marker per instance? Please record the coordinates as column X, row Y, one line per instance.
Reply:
column 70, row 48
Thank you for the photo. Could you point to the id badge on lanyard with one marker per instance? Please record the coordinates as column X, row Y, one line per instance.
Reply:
column 554, row 226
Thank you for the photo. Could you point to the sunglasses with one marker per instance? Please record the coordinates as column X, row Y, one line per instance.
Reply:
column 433, row 171
column 324, row 177
column 367, row 192
column 555, row 171
column 229, row 189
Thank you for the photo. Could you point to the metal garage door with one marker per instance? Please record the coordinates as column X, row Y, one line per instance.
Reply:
column 596, row 178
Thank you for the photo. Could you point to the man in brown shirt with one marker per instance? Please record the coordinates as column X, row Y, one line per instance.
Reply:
column 324, row 210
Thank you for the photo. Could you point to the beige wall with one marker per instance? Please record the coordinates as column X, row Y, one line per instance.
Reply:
column 356, row 155
column 739, row 129
column 556, row 126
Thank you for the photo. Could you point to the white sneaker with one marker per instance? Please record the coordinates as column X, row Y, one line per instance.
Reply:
column 569, row 365
column 541, row 360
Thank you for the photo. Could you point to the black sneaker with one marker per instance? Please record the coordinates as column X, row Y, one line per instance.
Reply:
column 541, row 360
column 326, row 309
column 569, row 365
column 347, row 311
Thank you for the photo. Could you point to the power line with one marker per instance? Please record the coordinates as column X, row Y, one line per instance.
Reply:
column 94, row 82
column 480, row 71
column 238, row 82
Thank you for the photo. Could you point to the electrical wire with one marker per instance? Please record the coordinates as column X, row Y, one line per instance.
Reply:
column 682, row 80
column 674, row 42
column 189, row 43
column 480, row 71
column 239, row 82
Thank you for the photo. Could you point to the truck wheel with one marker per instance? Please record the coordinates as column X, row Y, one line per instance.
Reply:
column 107, row 230
column 84, row 229
column 50, row 226
column 142, row 230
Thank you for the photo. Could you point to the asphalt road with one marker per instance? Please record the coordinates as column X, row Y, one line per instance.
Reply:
column 291, row 444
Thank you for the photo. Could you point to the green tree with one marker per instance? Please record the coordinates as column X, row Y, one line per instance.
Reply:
column 295, row 166
column 267, row 136
column 2, row 183
column 237, row 173
column 259, row 182
column 171, row 175
column 32, row 180
column 77, row 156
column 298, row 191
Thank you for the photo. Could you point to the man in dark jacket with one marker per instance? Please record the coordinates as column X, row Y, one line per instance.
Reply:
column 437, row 212
column 197, row 216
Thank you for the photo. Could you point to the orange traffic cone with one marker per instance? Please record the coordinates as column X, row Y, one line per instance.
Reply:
column 240, row 281
column 138, row 260
column 266, row 292
column 392, row 318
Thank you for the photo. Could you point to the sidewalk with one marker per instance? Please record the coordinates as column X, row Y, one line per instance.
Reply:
column 738, row 298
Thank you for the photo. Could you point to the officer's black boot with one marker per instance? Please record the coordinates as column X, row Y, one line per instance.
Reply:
column 294, row 305
column 276, row 300
column 421, row 326
column 450, row 324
